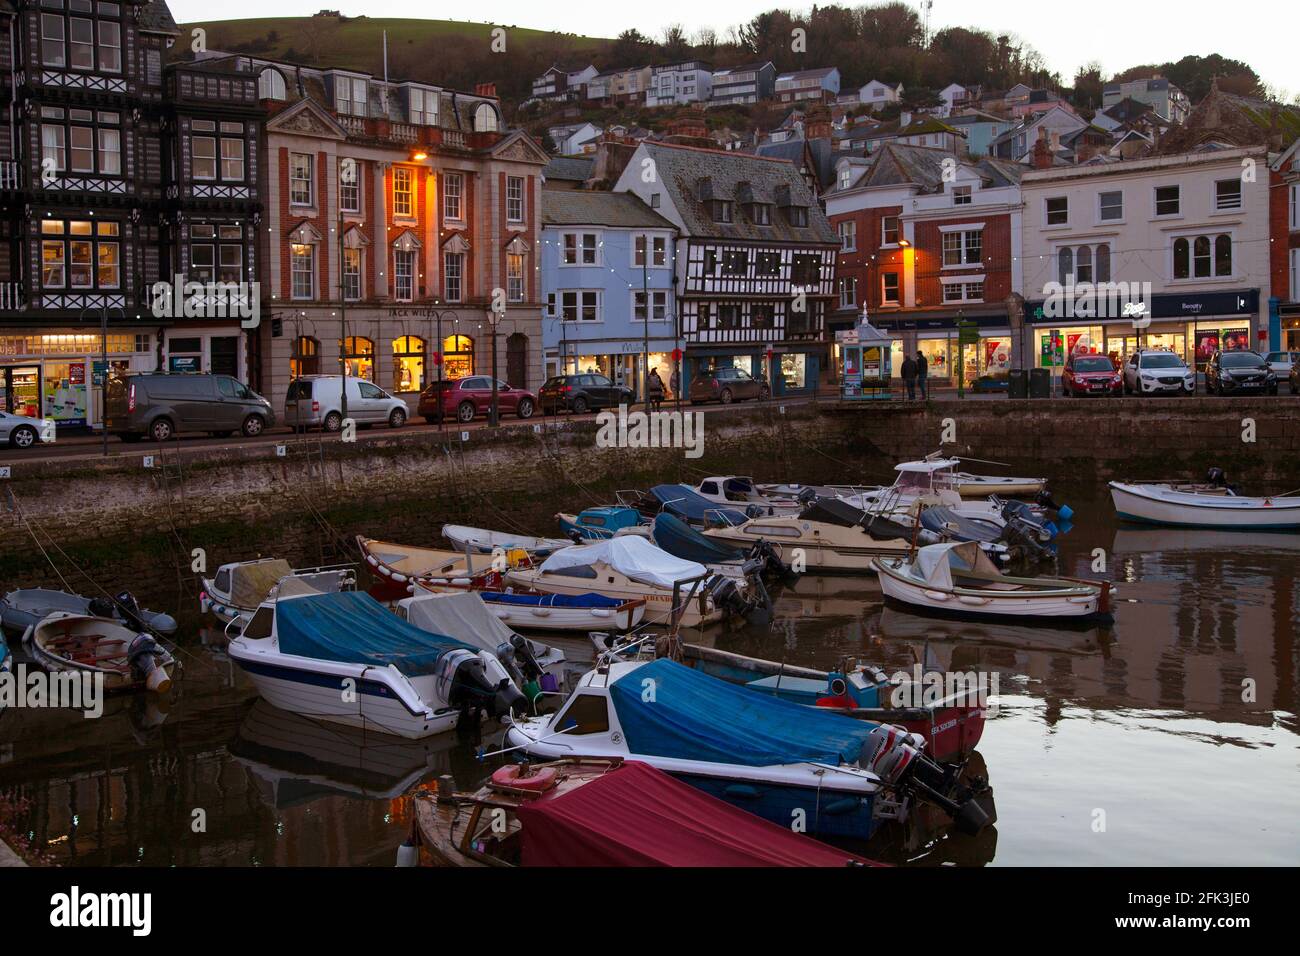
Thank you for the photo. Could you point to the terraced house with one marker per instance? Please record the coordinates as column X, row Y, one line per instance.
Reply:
column 755, row 260
column 402, row 224
column 93, row 209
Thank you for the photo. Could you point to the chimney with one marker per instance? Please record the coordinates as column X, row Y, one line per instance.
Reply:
column 817, row 123
column 1042, row 155
column 485, row 89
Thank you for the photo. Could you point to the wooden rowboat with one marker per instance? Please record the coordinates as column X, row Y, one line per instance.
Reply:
column 483, row 541
column 78, row 643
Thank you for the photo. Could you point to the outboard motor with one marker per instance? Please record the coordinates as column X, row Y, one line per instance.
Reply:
column 102, row 607
column 128, row 608
column 771, row 561
column 475, row 691
column 806, row 496
column 1218, row 478
column 897, row 758
column 144, row 655
column 726, row 594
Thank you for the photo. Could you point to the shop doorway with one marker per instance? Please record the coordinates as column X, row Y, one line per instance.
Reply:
column 20, row 390
column 517, row 360
column 225, row 355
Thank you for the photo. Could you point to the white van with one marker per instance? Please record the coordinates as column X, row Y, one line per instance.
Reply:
column 316, row 401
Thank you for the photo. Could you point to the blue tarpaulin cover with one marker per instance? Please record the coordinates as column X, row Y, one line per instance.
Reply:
column 682, row 541
column 351, row 627
column 692, row 716
column 690, row 505
column 550, row 600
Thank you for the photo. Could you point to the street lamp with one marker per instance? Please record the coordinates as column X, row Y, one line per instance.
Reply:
column 437, row 357
column 494, row 316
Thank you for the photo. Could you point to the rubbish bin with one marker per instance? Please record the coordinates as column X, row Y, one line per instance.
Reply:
column 1018, row 383
column 1040, row 383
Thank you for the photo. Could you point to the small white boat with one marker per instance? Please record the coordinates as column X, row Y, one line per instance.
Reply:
column 20, row 609
column 1202, row 506
column 981, row 486
column 813, row 545
column 403, row 564
column 240, row 587
column 739, row 492
column 344, row 658
column 958, row 579
column 482, row 541
column 100, row 646
column 467, row 617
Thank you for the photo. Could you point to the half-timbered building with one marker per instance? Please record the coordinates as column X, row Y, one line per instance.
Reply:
column 82, row 193
column 755, row 260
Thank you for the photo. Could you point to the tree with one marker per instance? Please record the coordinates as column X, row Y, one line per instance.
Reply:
column 1088, row 86
column 629, row 49
column 675, row 45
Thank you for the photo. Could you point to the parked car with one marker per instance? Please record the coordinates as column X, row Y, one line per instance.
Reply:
column 1158, row 372
column 1239, row 370
column 316, row 401
column 465, row 398
column 582, row 393
column 1091, row 375
column 1282, row 362
column 23, row 431
column 161, row 405
column 725, row 385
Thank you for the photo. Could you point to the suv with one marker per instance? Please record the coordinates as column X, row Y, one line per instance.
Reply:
column 581, row 393
column 160, row 405
column 465, row 398
column 725, row 385
column 1090, row 375
column 1158, row 372
column 316, row 401
column 1239, row 370
column 1282, row 362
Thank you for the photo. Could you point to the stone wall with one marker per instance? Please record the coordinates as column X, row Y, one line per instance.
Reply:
column 129, row 526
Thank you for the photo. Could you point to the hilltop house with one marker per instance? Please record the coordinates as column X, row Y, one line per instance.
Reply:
column 747, row 83
column 877, row 94
column 1169, row 102
column 690, row 81
column 822, row 84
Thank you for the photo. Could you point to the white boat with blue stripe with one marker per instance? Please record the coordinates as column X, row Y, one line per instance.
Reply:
column 343, row 657
column 1203, row 506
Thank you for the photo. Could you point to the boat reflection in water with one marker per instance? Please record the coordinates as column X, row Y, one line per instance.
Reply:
column 897, row 624
column 295, row 759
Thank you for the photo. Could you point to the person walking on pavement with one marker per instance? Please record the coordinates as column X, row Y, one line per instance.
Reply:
column 909, row 377
column 656, row 386
column 922, row 374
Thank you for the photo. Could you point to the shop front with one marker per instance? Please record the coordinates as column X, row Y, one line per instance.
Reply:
column 1192, row 326
column 623, row 362
column 58, row 374
column 947, row 360
column 788, row 369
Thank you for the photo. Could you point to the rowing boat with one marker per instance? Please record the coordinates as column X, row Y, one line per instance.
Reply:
column 100, row 648
column 1204, row 507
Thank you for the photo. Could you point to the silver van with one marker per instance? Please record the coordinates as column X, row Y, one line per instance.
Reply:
column 160, row 405
column 316, row 401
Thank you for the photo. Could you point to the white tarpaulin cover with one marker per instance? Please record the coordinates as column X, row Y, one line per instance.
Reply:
column 632, row 555
column 464, row 617
column 935, row 563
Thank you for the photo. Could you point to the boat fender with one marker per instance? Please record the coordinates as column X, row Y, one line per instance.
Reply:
column 741, row 791
column 522, row 778
column 842, row 806
column 408, row 854
column 973, row 600
column 935, row 595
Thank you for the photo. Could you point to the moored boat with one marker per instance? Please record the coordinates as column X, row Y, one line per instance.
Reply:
column 483, row 541
column 810, row 545
column 739, row 492
column 344, row 658
column 1204, row 507
column 402, row 564
column 20, row 609
column 779, row 760
column 958, row 579
column 240, row 587
column 100, row 648
column 593, row 812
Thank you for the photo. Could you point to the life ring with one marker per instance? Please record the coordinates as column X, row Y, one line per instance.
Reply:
column 520, row 778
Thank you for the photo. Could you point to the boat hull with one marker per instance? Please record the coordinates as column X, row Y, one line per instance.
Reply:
column 982, row 605
column 317, row 689
column 540, row 618
column 1151, row 504
column 658, row 601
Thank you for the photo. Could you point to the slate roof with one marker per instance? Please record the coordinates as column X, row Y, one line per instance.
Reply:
column 689, row 172
column 155, row 17
column 897, row 165
column 576, row 207
column 1128, row 109
column 1235, row 120
column 823, row 155
column 569, row 168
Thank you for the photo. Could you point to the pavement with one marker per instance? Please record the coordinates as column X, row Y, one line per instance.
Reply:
column 8, row 857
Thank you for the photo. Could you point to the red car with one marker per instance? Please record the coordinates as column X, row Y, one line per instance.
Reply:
column 466, row 398
column 1091, row 375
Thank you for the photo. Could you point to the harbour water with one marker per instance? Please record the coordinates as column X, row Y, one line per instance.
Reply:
column 1168, row 738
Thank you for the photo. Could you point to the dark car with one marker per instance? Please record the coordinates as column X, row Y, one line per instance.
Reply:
column 582, row 393
column 1239, row 371
column 159, row 405
column 1091, row 375
column 725, row 385
column 466, row 398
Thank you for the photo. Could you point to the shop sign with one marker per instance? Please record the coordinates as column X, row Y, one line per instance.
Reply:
column 97, row 370
column 183, row 363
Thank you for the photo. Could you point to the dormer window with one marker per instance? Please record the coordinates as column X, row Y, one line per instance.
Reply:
column 846, row 177
column 760, row 214
column 720, row 210
column 485, row 119
column 350, row 96
column 422, row 107
column 961, row 196
column 797, row 215
column 270, row 85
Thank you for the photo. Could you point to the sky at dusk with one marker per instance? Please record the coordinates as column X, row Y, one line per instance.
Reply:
column 1117, row 33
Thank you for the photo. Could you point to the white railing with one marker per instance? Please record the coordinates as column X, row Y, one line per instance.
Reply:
column 405, row 133
column 453, row 137
column 11, row 297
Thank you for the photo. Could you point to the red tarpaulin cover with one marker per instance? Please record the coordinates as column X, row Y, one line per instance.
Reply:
column 636, row 815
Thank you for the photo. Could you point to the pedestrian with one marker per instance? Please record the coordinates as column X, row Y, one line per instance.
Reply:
column 656, row 387
column 674, row 381
column 909, row 376
column 922, row 374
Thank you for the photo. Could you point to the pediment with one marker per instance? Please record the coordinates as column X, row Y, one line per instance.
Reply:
column 306, row 118
column 519, row 146
column 354, row 238
column 518, row 246
column 456, row 242
column 304, row 233
column 407, row 241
